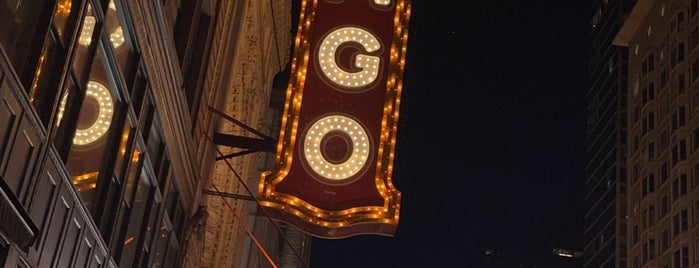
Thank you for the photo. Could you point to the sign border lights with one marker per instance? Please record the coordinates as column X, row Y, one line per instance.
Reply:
column 344, row 90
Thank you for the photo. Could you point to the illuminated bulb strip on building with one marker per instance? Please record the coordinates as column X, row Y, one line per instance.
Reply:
column 359, row 151
column 369, row 65
column 104, row 118
column 85, row 38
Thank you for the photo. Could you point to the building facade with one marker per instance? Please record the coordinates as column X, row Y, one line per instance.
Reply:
column 663, row 105
column 106, row 116
column 606, row 169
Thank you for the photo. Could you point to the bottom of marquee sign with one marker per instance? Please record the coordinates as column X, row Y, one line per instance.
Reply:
column 369, row 225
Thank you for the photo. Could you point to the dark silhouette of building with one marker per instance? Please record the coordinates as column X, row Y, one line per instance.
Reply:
column 606, row 170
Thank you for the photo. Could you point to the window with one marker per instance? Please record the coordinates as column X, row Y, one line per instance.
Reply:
column 23, row 26
column 664, row 240
column 122, row 42
column 649, row 93
column 677, row 23
column 679, row 187
column 648, row 184
column 89, row 116
column 679, row 152
column 86, row 46
column 681, row 258
column 664, row 206
column 677, row 54
column 45, row 85
column 680, row 222
column 138, row 217
column 648, row 122
column 679, row 118
column 681, row 83
column 648, row 64
column 65, row 18
column 695, row 70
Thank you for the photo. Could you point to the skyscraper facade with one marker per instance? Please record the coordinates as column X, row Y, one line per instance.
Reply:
column 107, row 113
column 663, row 201
column 606, row 169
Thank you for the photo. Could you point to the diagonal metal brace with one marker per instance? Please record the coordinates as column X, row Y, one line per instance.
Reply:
column 250, row 145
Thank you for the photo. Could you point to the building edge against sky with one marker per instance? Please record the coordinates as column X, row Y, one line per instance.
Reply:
column 606, row 171
column 105, row 126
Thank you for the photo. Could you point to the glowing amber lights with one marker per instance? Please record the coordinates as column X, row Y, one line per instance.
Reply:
column 334, row 164
column 103, row 119
column 117, row 37
column 368, row 65
column 85, row 38
column 104, row 116
column 359, row 147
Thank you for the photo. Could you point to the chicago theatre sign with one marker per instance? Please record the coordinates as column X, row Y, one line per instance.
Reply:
column 332, row 176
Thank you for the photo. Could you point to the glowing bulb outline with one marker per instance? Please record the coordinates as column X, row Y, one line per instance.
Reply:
column 352, row 165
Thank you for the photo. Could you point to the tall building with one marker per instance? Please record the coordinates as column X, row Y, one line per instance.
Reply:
column 663, row 66
column 606, row 169
column 109, row 111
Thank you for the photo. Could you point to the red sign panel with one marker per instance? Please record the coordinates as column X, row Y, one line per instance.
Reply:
column 332, row 176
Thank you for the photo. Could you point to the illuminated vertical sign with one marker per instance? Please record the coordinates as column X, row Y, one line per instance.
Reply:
column 332, row 175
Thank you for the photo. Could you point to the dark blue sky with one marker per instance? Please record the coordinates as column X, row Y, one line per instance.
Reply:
column 491, row 141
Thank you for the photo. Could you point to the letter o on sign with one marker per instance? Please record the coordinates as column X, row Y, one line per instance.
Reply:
column 339, row 128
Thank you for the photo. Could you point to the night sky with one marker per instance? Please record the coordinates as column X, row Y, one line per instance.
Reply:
column 490, row 152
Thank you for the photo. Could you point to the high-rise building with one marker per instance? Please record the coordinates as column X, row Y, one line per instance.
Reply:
column 112, row 114
column 663, row 129
column 606, row 169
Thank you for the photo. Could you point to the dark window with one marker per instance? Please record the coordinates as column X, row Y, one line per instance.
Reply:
column 23, row 28
column 681, row 83
column 679, row 118
column 45, row 86
column 649, row 93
